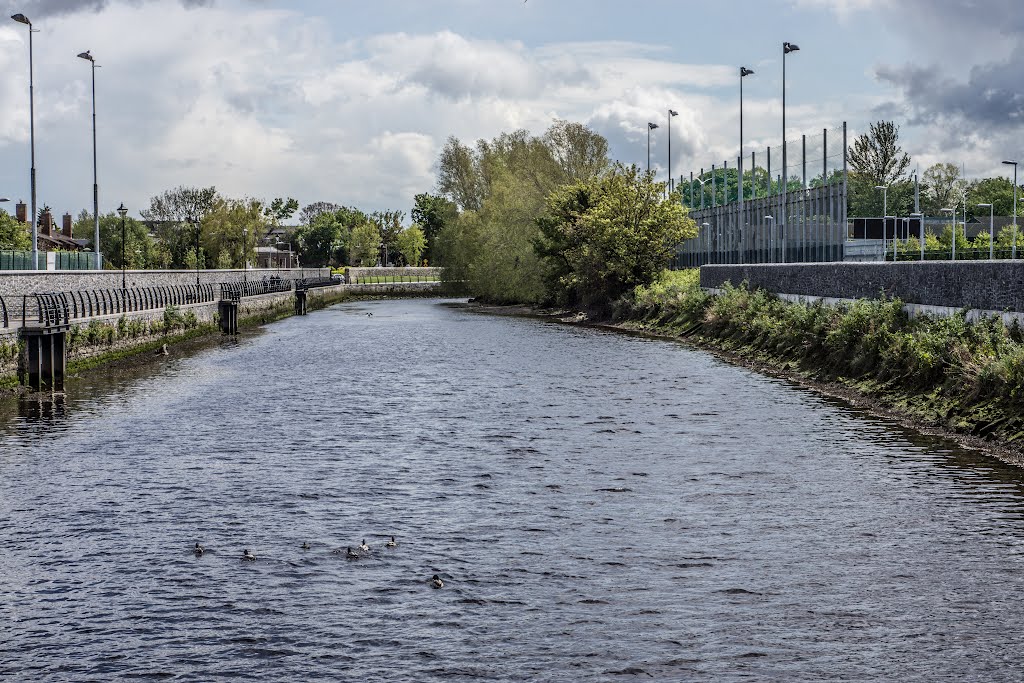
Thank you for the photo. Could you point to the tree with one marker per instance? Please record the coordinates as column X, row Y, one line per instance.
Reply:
column 230, row 231
column 140, row 250
column 876, row 159
column 313, row 210
column 13, row 235
column 578, row 151
column 941, row 187
column 325, row 240
column 389, row 225
column 602, row 238
column 174, row 216
column 365, row 244
column 411, row 243
column 432, row 213
column 458, row 175
column 281, row 209
column 995, row 191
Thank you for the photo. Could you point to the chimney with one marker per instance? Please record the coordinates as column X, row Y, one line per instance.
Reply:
column 46, row 223
column 21, row 211
column 67, row 225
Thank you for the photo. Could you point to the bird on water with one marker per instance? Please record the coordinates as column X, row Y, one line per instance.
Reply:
column 351, row 553
column 436, row 582
column 305, row 546
column 391, row 544
column 365, row 548
column 248, row 556
column 199, row 550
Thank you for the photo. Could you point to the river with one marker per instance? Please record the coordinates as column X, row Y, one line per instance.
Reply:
column 599, row 506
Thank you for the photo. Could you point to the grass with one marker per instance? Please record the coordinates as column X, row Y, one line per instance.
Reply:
column 968, row 377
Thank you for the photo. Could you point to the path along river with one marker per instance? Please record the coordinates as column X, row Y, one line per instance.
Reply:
column 599, row 506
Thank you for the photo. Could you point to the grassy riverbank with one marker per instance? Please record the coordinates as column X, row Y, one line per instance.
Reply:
column 944, row 372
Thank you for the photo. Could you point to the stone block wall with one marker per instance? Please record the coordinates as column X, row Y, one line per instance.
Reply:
column 978, row 285
column 15, row 283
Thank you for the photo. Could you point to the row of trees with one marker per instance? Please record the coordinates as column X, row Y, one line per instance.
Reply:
column 531, row 219
column 332, row 234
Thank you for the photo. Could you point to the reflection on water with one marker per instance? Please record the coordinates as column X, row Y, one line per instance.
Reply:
column 599, row 507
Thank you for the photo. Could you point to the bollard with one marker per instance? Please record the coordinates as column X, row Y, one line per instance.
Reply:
column 300, row 302
column 44, row 361
column 227, row 311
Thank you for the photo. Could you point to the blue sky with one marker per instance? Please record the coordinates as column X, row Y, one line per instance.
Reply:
column 351, row 101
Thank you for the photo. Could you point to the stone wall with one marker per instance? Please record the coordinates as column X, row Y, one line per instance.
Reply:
column 978, row 285
column 431, row 273
column 14, row 283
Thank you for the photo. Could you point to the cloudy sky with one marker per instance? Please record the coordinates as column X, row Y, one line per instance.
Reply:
column 351, row 101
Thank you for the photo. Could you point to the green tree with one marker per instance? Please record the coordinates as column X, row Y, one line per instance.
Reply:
column 13, row 235
column 995, row 191
column 313, row 210
column 140, row 249
column 941, row 187
column 230, row 231
column 601, row 239
column 365, row 244
column 326, row 239
column 432, row 213
column 389, row 225
column 876, row 159
column 458, row 175
column 174, row 216
column 281, row 209
column 411, row 243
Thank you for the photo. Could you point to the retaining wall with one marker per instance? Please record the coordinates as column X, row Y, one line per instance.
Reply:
column 979, row 285
column 20, row 282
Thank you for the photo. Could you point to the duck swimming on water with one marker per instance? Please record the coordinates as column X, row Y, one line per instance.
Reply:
column 365, row 548
column 436, row 582
column 199, row 550
column 248, row 556
column 391, row 544
column 352, row 554
column 305, row 546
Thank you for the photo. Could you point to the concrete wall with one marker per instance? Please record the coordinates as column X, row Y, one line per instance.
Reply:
column 20, row 282
column 980, row 285
column 432, row 273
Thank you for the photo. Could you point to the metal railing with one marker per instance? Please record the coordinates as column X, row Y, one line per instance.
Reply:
column 312, row 282
column 235, row 291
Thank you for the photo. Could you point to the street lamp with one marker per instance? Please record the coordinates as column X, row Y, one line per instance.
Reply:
column 95, row 182
column 920, row 232
column 245, row 260
column 199, row 231
column 991, row 229
column 123, row 212
column 744, row 72
column 786, row 49
column 22, row 19
column 1013, row 252
column 671, row 183
column 650, row 127
column 771, row 231
column 885, row 213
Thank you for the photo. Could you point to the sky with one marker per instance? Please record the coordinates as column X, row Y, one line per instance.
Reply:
column 351, row 102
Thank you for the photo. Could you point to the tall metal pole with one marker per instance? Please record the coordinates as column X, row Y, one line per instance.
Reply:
column 87, row 55
column 1013, row 251
column 787, row 47
column 22, row 19
column 671, row 180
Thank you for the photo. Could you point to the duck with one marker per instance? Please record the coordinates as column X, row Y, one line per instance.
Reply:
column 248, row 556
column 305, row 546
column 365, row 548
column 199, row 550
column 392, row 543
column 436, row 582
column 162, row 351
column 351, row 554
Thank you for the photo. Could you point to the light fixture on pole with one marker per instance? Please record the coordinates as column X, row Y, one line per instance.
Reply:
column 786, row 49
column 991, row 229
column 744, row 72
column 885, row 213
column 22, row 19
column 650, row 127
column 124, row 283
column 920, row 232
column 95, row 182
column 1013, row 251
column 671, row 182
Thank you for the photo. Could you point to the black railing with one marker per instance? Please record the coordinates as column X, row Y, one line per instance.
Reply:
column 968, row 254
column 235, row 291
column 311, row 282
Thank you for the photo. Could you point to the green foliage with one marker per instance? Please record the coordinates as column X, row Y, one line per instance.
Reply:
column 174, row 216
column 941, row 187
column 995, row 191
column 389, row 225
column 281, row 209
column 432, row 213
column 411, row 243
column 230, row 230
column 365, row 244
column 13, row 235
column 877, row 159
column 604, row 238
column 326, row 239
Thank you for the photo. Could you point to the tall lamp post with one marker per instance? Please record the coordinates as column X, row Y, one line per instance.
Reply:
column 22, row 19
column 744, row 72
column 1013, row 252
column 671, row 182
column 786, row 49
column 650, row 127
column 885, row 215
column 95, row 181
column 124, row 282
column 245, row 260
column 199, row 231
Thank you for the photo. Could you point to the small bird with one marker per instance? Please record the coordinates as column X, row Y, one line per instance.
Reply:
column 248, row 556
column 391, row 544
column 162, row 351
column 199, row 550
column 351, row 554
column 436, row 582
column 305, row 546
column 365, row 548
column 369, row 315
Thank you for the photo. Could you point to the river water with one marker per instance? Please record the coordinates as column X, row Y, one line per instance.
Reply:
column 599, row 507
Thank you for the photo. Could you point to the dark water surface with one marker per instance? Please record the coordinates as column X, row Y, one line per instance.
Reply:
column 600, row 507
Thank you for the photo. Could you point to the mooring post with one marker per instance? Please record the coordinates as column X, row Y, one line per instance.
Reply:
column 227, row 311
column 300, row 302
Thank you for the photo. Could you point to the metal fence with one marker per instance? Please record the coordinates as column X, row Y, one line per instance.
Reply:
column 235, row 291
column 62, row 260
column 749, row 216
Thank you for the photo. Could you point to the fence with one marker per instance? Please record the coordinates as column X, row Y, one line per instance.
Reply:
column 234, row 291
column 61, row 260
column 968, row 254
column 751, row 217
